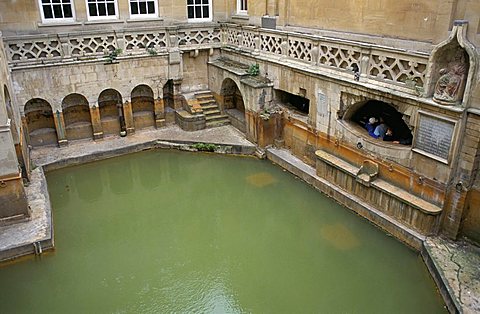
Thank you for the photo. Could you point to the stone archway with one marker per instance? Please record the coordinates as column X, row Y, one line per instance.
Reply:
column 143, row 107
column 233, row 104
column 111, row 113
column 40, row 122
column 361, row 112
column 76, row 114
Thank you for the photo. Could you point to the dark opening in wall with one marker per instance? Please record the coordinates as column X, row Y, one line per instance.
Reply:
column 298, row 103
column 390, row 116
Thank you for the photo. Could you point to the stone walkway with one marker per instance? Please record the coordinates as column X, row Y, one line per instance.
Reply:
column 116, row 145
column 457, row 265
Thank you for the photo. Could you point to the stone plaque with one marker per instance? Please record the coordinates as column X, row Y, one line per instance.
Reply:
column 322, row 108
column 434, row 136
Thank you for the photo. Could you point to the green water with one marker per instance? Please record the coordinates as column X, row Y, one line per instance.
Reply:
column 162, row 232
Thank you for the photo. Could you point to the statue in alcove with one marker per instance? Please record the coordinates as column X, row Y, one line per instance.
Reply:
column 449, row 87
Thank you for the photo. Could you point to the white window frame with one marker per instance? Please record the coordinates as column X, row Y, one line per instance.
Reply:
column 96, row 18
column 241, row 11
column 143, row 16
column 196, row 20
column 57, row 20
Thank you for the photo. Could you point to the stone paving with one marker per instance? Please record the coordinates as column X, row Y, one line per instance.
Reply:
column 458, row 265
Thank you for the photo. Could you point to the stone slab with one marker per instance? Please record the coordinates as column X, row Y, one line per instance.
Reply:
column 455, row 266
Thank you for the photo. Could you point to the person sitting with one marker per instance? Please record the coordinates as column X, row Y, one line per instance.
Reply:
column 370, row 126
column 388, row 137
column 380, row 129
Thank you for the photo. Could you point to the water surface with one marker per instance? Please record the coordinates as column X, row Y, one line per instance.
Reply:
column 167, row 231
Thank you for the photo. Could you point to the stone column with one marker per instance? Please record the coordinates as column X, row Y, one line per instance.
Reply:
column 177, row 100
column 159, row 108
column 60, row 127
column 128, row 116
column 96, row 122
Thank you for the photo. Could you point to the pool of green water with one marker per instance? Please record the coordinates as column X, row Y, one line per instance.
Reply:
column 167, row 231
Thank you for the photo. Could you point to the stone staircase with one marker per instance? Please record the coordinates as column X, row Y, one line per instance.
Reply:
column 210, row 109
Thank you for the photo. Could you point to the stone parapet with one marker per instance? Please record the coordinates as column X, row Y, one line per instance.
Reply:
column 189, row 122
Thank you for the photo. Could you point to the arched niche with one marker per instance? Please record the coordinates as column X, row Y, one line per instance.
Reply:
column 452, row 67
column 76, row 114
column 233, row 104
column 360, row 113
column 40, row 122
column 110, row 107
column 143, row 107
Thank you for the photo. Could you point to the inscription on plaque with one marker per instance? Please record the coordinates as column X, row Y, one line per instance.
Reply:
column 434, row 136
column 321, row 104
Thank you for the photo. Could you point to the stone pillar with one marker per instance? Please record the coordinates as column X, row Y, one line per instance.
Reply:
column 96, row 122
column 159, row 108
column 177, row 99
column 128, row 116
column 60, row 127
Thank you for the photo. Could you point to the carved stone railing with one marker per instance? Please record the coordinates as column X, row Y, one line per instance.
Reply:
column 45, row 49
column 393, row 68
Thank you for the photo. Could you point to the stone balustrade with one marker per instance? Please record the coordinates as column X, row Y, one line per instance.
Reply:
column 393, row 68
column 82, row 46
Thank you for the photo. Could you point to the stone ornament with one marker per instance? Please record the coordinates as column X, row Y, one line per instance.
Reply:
column 449, row 85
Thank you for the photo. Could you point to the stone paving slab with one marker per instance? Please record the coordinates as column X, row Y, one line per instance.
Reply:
column 116, row 145
column 457, row 272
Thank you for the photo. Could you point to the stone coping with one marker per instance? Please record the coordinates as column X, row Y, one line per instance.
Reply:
column 381, row 185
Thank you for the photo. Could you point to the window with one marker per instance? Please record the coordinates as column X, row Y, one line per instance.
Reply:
column 199, row 10
column 102, row 9
column 242, row 6
column 143, row 8
column 56, row 10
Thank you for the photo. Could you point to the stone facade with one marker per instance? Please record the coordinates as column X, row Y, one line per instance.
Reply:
column 317, row 70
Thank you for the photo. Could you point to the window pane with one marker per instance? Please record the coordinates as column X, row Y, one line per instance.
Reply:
column 55, row 1
column 198, row 1
column 151, row 7
column 205, row 11
column 198, row 11
column 189, row 1
column 205, row 1
column 67, row 10
column 45, row 1
column 190, row 13
column 133, row 8
column 47, row 12
column 111, row 8
column 102, row 10
column 143, row 7
column 57, row 11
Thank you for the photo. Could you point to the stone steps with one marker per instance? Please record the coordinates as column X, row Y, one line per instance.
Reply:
column 213, row 115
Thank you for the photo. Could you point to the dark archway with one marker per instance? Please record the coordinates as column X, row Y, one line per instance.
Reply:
column 143, row 107
column 40, row 122
column 76, row 113
column 381, row 110
column 168, row 92
column 233, row 104
column 110, row 106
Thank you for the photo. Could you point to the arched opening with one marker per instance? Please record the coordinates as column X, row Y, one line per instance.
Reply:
column 297, row 103
column 382, row 113
column 233, row 104
column 40, row 122
column 76, row 113
column 110, row 106
column 13, row 124
column 168, row 95
column 143, row 107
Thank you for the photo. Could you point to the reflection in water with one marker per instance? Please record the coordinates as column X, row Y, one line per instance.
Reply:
column 120, row 177
column 261, row 179
column 339, row 236
column 90, row 192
